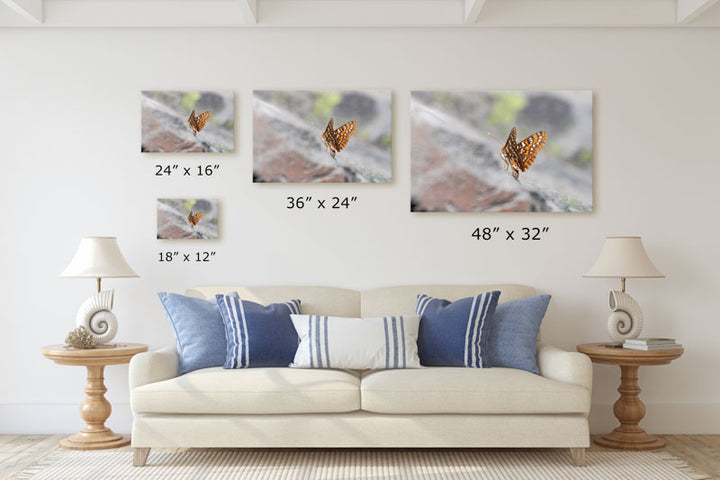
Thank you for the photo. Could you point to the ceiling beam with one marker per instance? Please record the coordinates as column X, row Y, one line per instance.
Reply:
column 148, row 13
column 472, row 10
column 577, row 13
column 689, row 10
column 29, row 9
column 359, row 13
column 249, row 8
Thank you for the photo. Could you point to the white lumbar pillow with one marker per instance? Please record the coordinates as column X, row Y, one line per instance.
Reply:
column 357, row 343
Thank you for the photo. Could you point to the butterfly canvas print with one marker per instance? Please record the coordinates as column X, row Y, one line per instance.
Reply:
column 187, row 219
column 502, row 151
column 302, row 136
column 193, row 121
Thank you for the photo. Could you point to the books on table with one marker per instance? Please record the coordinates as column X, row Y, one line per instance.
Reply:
column 651, row 344
column 650, row 341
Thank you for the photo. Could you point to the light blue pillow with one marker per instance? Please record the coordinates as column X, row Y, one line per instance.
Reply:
column 513, row 333
column 454, row 334
column 257, row 335
column 199, row 331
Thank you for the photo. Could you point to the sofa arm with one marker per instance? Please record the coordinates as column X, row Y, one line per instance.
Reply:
column 151, row 367
column 563, row 366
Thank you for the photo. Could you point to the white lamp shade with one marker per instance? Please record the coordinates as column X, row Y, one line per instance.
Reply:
column 623, row 257
column 98, row 257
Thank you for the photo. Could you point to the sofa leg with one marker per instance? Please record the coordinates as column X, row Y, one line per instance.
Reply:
column 578, row 456
column 140, row 456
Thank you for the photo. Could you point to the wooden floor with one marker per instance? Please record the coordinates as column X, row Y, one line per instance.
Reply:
column 20, row 451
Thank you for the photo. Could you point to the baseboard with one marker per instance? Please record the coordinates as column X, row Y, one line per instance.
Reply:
column 38, row 418
column 669, row 418
column 64, row 418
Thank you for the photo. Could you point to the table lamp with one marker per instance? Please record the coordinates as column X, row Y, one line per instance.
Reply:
column 98, row 257
column 623, row 257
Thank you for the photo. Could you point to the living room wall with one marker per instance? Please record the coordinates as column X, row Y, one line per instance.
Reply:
column 71, row 166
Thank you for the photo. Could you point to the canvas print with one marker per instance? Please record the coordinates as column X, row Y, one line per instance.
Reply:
column 322, row 136
column 502, row 151
column 187, row 219
column 188, row 121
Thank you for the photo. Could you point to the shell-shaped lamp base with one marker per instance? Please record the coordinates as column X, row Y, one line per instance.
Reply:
column 96, row 315
column 626, row 319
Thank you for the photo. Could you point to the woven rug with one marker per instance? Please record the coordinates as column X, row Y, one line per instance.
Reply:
column 356, row 464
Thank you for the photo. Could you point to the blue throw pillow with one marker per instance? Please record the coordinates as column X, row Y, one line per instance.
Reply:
column 198, row 328
column 258, row 336
column 455, row 334
column 514, row 332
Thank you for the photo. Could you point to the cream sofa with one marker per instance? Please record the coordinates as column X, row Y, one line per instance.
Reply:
column 434, row 407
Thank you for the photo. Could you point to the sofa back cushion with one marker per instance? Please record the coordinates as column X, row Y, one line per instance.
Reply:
column 339, row 302
column 401, row 300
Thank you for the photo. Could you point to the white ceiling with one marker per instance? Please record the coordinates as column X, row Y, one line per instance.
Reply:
column 359, row 13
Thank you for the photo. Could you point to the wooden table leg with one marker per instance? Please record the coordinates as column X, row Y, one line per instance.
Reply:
column 629, row 410
column 95, row 409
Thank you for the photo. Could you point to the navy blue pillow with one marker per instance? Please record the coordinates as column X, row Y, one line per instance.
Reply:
column 454, row 334
column 514, row 332
column 257, row 335
column 199, row 331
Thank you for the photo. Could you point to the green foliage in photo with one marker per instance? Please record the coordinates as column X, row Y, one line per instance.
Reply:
column 325, row 104
column 189, row 100
column 505, row 109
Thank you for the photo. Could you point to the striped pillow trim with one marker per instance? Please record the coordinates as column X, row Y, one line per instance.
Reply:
column 477, row 317
column 318, row 345
column 394, row 342
column 238, row 340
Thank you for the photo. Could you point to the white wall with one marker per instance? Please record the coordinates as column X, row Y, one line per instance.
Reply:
column 70, row 166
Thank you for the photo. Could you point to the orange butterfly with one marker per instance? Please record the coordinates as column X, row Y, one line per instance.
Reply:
column 519, row 156
column 197, row 122
column 334, row 140
column 194, row 218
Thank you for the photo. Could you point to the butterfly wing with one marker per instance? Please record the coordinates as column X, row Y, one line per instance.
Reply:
column 191, row 122
column 343, row 134
column 528, row 149
column 197, row 122
column 509, row 151
column 328, row 137
column 202, row 120
column 194, row 218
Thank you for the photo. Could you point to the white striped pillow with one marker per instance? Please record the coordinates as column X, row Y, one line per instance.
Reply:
column 356, row 343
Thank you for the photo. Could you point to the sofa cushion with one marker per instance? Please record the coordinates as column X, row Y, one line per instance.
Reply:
column 340, row 302
column 402, row 300
column 469, row 390
column 251, row 391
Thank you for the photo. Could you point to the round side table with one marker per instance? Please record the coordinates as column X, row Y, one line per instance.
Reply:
column 629, row 410
column 95, row 409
